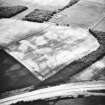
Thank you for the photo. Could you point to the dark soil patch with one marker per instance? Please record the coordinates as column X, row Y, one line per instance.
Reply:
column 7, row 12
column 13, row 75
column 91, row 100
column 39, row 15
column 39, row 102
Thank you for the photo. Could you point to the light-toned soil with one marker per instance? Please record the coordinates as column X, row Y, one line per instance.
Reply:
column 83, row 14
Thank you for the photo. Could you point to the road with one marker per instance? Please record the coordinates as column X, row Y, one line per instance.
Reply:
column 64, row 90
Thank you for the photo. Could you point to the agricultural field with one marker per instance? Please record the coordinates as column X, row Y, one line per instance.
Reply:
column 47, row 43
